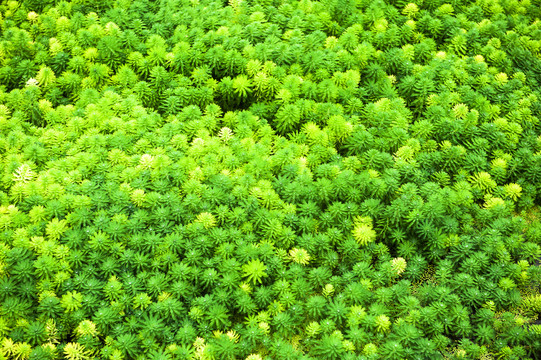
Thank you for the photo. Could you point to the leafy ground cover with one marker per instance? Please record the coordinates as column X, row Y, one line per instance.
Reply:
column 277, row 180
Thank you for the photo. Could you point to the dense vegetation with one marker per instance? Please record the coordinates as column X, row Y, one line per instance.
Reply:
column 264, row 179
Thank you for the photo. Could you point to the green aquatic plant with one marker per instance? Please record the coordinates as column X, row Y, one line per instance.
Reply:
column 309, row 179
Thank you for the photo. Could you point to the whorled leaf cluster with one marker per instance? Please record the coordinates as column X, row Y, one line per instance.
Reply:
column 337, row 179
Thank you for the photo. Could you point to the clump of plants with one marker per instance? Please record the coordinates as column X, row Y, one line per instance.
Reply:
column 270, row 180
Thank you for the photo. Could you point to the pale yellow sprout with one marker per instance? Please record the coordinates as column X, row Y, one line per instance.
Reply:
column 146, row 161
column 513, row 191
column 363, row 231
column 460, row 110
column 45, row 106
column 263, row 316
column 258, row 16
column 300, row 256
column 75, row 351
column 3, row 272
column 199, row 343
column 328, row 290
column 49, row 347
column 303, row 161
column 21, row 351
column 32, row 16
column 412, row 24
column 63, row 24
column 222, row 31
column 405, row 152
column 4, row 111
column 492, row 202
column 398, row 265
column 348, row 345
column 313, row 329
column 331, row 42
column 245, row 287
column 71, row 301
column 235, row 4
column 519, row 75
column 441, row 55
column 169, row 58
column 373, row 173
column 460, row 353
column 111, row 28
column 370, row 349
column 367, row 283
column 91, row 54
column 410, row 10
column 338, row 334
column 116, row 355
column 356, row 314
column 381, row 25
column 499, row 163
column 23, row 174
column 138, row 197
column 264, row 326
column 142, row 301
column 523, row 264
column 162, row 297
column 483, row 181
column 206, row 219
column 8, row 346
column 55, row 46
column 225, row 134
column 383, row 324
column 501, row 123
column 32, row 82
column 197, row 173
column 55, row 228
column 479, row 58
column 490, row 305
column 254, row 357
column 501, row 78
column 86, row 327
column 52, row 331
column 446, row 9
column 233, row 336
column 519, row 320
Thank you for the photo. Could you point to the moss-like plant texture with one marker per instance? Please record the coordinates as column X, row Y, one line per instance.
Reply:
column 270, row 180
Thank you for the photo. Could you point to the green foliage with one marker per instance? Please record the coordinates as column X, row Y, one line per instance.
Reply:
column 251, row 179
